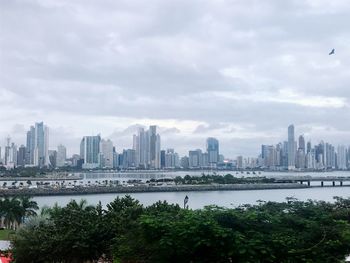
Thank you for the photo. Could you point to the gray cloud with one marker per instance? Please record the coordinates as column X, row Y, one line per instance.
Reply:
column 237, row 70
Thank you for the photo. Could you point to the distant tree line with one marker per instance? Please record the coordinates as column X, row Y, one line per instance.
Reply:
column 126, row 231
column 219, row 179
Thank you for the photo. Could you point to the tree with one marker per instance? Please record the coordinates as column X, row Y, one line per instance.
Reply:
column 11, row 212
column 28, row 207
column 291, row 231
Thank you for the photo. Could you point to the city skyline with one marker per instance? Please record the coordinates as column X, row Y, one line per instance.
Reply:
column 146, row 152
column 240, row 71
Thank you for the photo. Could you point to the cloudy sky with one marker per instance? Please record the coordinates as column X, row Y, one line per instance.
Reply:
column 238, row 70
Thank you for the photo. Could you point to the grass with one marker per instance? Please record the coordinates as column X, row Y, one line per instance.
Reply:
column 5, row 234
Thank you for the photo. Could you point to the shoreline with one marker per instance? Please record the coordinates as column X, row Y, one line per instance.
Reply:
column 147, row 189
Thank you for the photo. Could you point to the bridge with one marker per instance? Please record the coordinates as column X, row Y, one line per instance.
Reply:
column 336, row 180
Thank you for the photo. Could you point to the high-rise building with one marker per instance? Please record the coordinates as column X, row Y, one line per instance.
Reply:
column 239, row 162
column 30, row 146
column 319, row 155
column 41, row 145
column 213, row 151
column 205, row 160
column 341, row 157
column 329, row 156
column 129, row 159
column 37, row 145
column 7, row 150
column 141, row 146
column 53, row 158
column 61, row 156
column 195, row 159
column 162, row 159
column 21, row 156
column 106, row 148
column 147, row 148
column 300, row 159
column 154, row 148
column 311, row 159
column 11, row 156
column 291, row 147
column 171, row 159
column 184, row 162
column 89, row 151
column 308, row 147
column 301, row 143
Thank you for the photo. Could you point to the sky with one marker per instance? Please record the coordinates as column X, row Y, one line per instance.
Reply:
column 237, row 70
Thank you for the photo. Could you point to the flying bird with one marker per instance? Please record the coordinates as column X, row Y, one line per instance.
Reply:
column 332, row 52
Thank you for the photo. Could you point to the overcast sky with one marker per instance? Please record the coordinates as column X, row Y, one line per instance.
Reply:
column 238, row 70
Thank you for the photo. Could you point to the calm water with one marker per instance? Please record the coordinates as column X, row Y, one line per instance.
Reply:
column 201, row 199
column 122, row 177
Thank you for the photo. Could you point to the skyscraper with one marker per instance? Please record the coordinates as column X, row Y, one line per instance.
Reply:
column 147, row 148
column 341, row 157
column 7, row 150
column 301, row 143
column 61, row 156
column 154, row 148
column 213, row 151
column 195, row 159
column 11, row 156
column 106, row 148
column 30, row 146
column 291, row 147
column 37, row 145
column 53, row 158
column 41, row 145
column 140, row 145
column 89, row 151
column 21, row 156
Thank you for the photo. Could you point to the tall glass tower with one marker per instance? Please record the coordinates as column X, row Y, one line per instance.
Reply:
column 213, row 151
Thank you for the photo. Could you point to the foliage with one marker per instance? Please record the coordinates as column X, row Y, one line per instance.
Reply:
column 292, row 231
column 13, row 211
column 219, row 179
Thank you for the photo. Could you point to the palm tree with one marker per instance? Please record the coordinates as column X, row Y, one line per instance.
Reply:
column 11, row 212
column 82, row 205
column 28, row 207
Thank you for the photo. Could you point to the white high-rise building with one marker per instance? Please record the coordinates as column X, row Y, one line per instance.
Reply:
column 311, row 160
column 61, row 156
column 141, row 147
column 171, row 159
column 11, row 158
column 147, row 148
column 341, row 157
column 106, row 149
column 291, row 148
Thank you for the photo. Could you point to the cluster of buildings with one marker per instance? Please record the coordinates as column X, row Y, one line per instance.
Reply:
column 298, row 155
column 35, row 153
column 96, row 152
column 146, row 154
